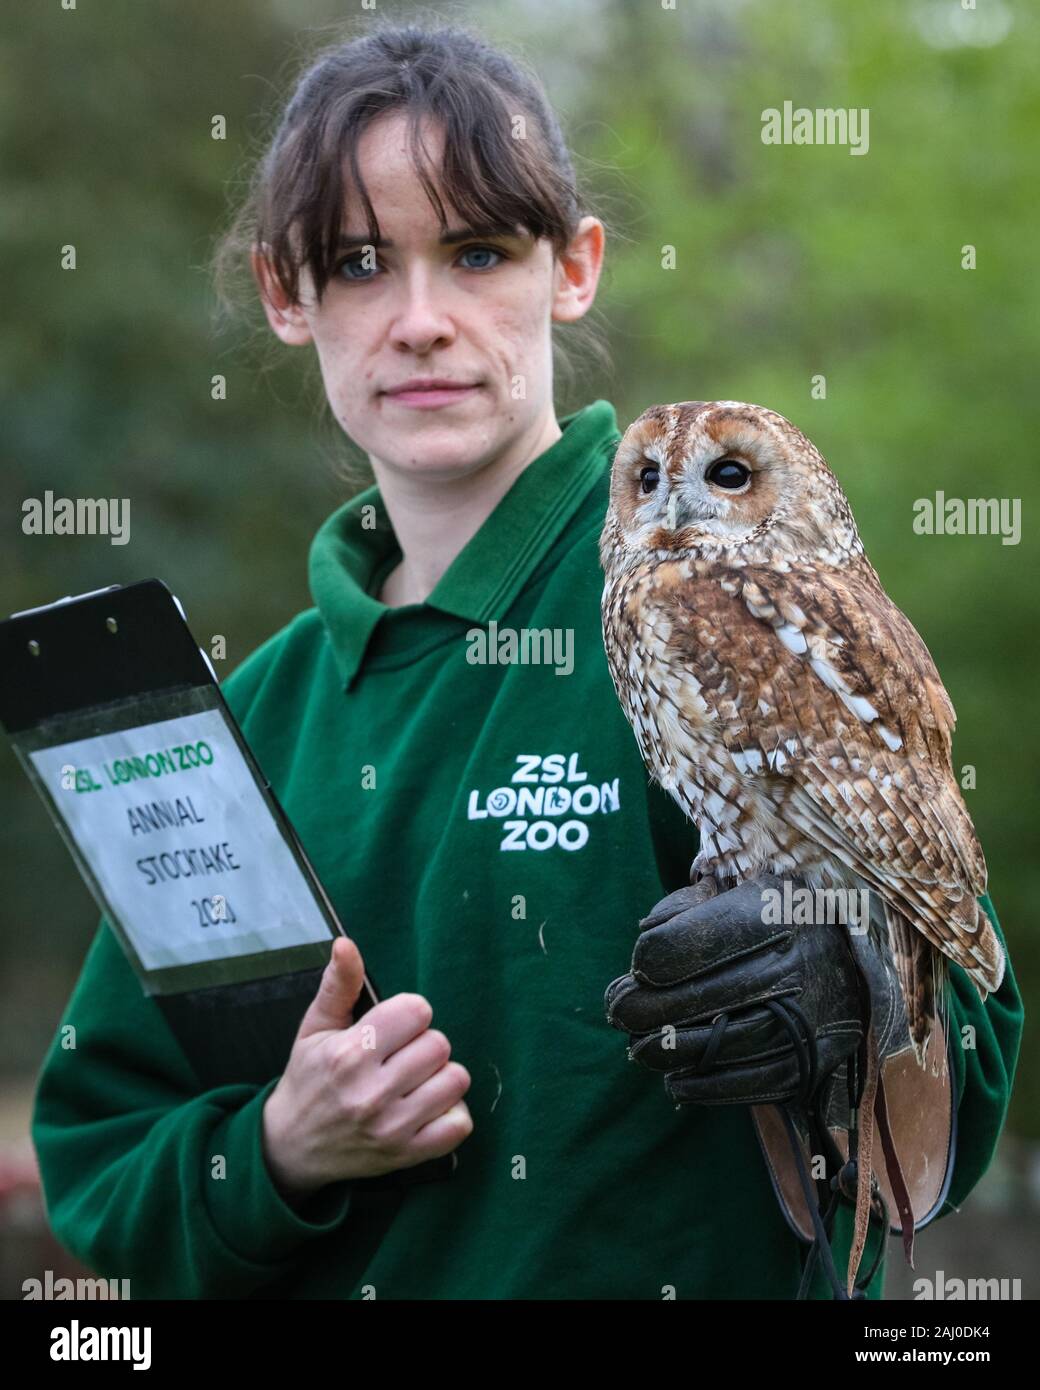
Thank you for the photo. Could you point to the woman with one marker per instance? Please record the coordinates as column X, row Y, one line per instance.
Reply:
column 442, row 730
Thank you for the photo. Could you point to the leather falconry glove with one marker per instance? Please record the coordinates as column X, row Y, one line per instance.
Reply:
column 734, row 1010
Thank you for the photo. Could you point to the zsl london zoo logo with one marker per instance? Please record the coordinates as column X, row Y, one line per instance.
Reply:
column 540, row 788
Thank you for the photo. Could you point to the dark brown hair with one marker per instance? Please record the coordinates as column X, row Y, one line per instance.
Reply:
column 450, row 74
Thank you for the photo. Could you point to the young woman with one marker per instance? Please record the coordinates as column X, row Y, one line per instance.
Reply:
column 442, row 730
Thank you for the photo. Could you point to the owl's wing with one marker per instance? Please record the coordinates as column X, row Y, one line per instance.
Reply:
column 830, row 703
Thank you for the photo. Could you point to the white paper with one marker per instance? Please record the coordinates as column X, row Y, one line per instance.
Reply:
column 181, row 841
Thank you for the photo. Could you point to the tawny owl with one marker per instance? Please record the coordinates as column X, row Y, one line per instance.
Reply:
column 779, row 694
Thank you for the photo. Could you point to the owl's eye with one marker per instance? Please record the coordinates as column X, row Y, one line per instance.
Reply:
column 649, row 477
column 729, row 473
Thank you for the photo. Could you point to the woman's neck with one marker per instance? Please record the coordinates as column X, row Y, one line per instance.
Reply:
column 434, row 519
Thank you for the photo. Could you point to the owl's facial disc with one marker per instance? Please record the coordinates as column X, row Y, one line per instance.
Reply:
column 725, row 477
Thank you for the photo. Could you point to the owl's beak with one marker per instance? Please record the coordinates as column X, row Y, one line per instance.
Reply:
column 679, row 512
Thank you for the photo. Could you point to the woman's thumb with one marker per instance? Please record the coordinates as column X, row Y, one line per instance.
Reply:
column 338, row 991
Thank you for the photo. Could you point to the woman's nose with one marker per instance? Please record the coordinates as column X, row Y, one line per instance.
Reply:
column 422, row 316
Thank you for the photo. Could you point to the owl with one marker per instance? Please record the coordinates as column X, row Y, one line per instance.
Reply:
column 779, row 695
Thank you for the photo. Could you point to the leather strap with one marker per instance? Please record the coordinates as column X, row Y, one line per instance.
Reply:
column 864, row 1159
column 894, row 1170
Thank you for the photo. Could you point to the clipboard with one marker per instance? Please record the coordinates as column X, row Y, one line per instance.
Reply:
column 117, row 718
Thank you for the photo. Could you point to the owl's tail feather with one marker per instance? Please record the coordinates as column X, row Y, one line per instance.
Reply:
column 988, row 972
column 922, row 977
column 864, row 1157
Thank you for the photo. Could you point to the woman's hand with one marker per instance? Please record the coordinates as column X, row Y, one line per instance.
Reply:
column 359, row 1099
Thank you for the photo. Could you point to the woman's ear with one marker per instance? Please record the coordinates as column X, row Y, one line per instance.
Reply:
column 577, row 272
column 286, row 319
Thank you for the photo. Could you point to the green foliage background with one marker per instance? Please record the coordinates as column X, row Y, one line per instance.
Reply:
column 791, row 261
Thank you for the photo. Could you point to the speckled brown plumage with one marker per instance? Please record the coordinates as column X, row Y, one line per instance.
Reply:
column 777, row 692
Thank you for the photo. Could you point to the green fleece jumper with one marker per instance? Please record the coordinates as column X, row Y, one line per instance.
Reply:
column 486, row 829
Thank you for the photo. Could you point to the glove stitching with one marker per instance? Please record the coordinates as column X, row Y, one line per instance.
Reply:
column 756, row 1099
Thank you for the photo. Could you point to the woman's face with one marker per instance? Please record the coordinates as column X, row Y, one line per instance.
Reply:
column 475, row 311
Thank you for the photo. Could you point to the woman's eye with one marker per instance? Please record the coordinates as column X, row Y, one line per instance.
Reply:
column 649, row 478
column 729, row 473
column 355, row 262
column 482, row 251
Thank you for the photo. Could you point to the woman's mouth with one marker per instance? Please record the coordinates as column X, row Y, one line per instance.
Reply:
column 424, row 395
